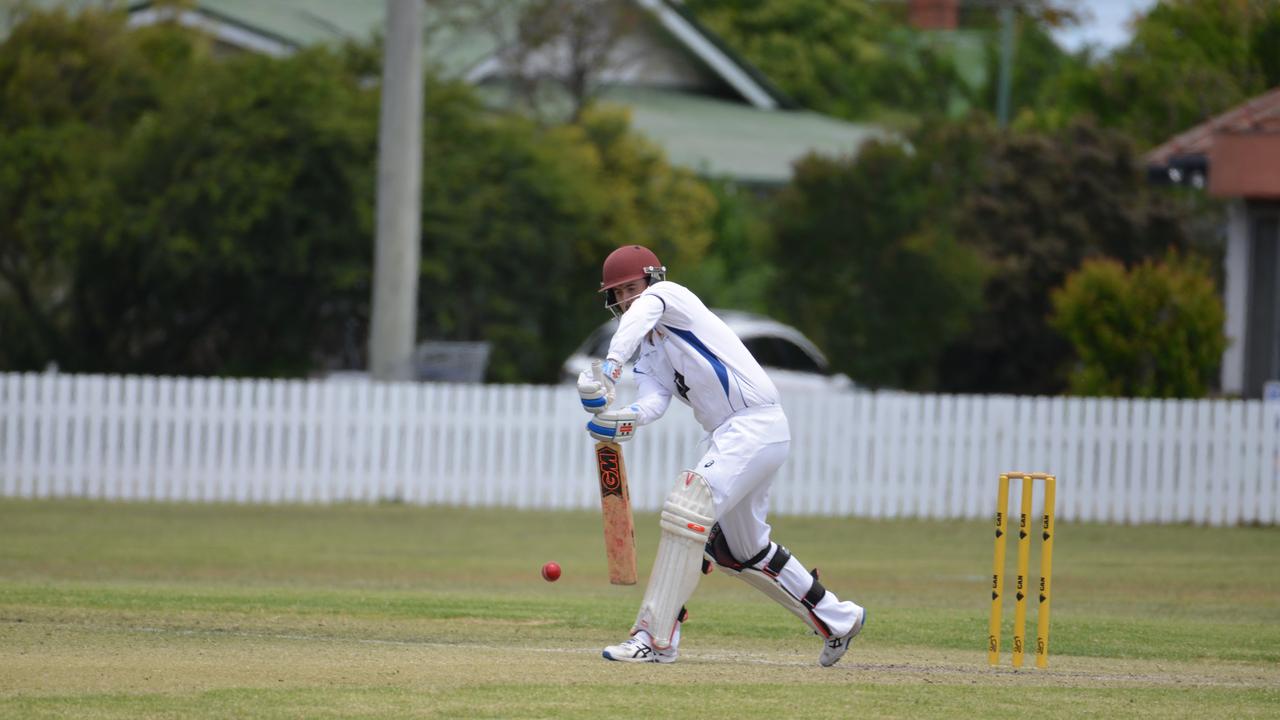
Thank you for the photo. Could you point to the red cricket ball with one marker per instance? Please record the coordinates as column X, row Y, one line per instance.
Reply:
column 551, row 572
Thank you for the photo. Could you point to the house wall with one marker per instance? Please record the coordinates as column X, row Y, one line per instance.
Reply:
column 1262, row 349
column 649, row 60
column 934, row 14
column 1252, row 297
column 647, row 57
column 1236, row 293
column 1245, row 164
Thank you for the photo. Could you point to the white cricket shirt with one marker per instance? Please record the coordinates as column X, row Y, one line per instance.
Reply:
column 689, row 352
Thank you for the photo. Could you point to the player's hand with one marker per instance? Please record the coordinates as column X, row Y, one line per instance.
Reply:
column 593, row 393
column 596, row 386
column 614, row 425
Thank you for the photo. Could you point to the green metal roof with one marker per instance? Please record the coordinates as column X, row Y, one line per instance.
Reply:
column 719, row 138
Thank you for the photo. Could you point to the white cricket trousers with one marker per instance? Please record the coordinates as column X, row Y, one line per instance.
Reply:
column 744, row 455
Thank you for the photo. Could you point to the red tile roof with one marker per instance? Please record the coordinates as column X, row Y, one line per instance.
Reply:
column 1261, row 114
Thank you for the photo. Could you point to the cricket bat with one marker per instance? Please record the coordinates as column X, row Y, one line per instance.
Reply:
column 615, row 502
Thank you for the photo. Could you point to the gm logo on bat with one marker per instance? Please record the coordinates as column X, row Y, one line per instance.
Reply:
column 610, row 480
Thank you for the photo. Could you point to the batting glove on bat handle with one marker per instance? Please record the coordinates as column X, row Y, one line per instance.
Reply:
column 596, row 390
column 614, row 425
column 593, row 394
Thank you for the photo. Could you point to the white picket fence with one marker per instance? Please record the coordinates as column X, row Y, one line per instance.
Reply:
column 872, row 455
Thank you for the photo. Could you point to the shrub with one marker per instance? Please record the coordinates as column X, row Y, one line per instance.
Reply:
column 1153, row 331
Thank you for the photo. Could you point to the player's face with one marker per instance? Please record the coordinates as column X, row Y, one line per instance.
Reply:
column 628, row 292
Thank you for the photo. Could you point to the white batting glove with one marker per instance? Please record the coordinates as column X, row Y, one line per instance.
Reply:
column 614, row 425
column 596, row 386
column 595, row 397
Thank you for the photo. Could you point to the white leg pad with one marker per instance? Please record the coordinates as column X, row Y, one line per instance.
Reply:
column 687, row 517
column 774, row 572
column 772, row 588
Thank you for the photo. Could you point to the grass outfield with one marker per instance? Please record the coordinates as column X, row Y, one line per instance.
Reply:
column 144, row 610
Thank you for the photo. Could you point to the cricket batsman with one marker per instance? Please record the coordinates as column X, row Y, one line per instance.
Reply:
column 716, row 513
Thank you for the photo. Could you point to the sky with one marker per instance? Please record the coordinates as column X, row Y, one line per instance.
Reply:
column 1104, row 23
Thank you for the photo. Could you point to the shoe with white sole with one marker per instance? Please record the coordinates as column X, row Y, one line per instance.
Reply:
column 836, row 647
column 639, row 649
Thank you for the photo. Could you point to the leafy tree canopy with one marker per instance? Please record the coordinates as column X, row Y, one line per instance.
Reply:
column 1041, row 204
column 163, row 210
column 1153, row 331
column 866, row 262
column 518, row 219
column 930, row 265
column 1188, row 61
column 848, row 58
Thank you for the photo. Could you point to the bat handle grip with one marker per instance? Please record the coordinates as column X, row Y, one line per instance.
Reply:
column 597, row 371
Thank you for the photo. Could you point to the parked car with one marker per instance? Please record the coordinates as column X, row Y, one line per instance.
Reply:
column 793, row 362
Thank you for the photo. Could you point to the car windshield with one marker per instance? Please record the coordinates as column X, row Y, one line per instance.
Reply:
column 777, row 352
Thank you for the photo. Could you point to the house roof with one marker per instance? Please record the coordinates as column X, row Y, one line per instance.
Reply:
column 1261, row 114
column 726, row 139
column 755, row 139
column 282, row 26
column 1243, row 143
column 457, row 43
column 731, row 66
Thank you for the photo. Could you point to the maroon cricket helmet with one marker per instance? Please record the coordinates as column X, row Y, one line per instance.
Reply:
column 631, row 262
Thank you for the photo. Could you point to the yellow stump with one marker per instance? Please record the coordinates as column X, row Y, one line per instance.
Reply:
column 997, row 571
column 1022, row 581
column 1046, row 574
column 1024, row 551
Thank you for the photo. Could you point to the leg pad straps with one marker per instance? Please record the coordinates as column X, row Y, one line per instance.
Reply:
column 801, row 603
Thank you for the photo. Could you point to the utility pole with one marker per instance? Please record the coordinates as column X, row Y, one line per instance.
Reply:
column 397, row 252
column 1006, row 62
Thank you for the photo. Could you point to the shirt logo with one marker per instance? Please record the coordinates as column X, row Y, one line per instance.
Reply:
column 681, row 387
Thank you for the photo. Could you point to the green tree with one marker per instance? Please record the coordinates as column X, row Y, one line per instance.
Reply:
column 848, row 58
column 1038, row 63
column 866, row 261
column 735, row 272
column 1188, row 61
column 1153, row 331
column 71, row 89
column 246, row 222
column 215, row 217
column 1041, row 205
column 518, row 217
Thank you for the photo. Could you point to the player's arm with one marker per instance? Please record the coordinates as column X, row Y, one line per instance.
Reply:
column 636, row 322
column 595, row 386
column 651, row 402
column 652, row 399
